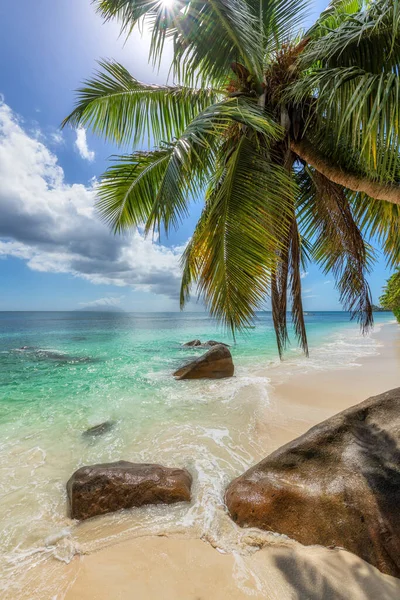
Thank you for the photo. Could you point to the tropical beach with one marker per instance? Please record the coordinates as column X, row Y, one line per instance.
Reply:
column 216, row 429
column 200, row 307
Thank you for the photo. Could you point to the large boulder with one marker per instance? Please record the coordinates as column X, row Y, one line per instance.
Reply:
column 336, row 485
column 99, row 489
column 214, row 364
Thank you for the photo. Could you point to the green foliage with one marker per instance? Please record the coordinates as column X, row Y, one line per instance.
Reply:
column 390, row 298
column 351, row 71
column 325, row 214
column 232, row 252
column 120, row 108
column 245, row 88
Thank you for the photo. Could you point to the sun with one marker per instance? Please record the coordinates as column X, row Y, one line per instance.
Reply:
column 167, row 4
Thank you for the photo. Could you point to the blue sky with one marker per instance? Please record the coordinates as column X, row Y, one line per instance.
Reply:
column 54, row 253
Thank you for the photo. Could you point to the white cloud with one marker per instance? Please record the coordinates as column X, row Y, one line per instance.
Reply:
column 52, row 225
column 107, row 301
column 81, row 144
column 57, row 138
column 304, row 274
column 327, row 281
column 311, row 296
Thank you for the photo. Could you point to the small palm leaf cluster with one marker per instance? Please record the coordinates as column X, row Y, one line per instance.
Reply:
column 290, row 140
column 390, row 298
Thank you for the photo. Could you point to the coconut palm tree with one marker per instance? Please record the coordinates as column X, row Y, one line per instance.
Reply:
column 390, row 298
column 290, row 140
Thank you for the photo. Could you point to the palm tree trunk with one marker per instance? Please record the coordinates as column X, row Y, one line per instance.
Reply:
column 357, row 183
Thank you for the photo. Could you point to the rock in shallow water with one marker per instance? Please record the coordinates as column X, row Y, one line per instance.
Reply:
column 99, row 429
column 212, row 343
column 99, row 489
column 215, row 364
column 336, row 485
column 192, row 344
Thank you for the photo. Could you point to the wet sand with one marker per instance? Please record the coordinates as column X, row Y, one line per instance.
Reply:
column 172, row 568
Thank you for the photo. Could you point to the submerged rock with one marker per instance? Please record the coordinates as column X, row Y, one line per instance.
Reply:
column 215, row 364
column 99, row 429
column 53, row 355
column 99, row 489
column 192, row 344
column 336, row 485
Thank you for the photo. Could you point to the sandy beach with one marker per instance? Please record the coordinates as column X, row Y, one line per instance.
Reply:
column 200, row 308
column 153, row 567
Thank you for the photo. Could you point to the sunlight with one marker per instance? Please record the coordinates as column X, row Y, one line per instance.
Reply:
column 167, row 3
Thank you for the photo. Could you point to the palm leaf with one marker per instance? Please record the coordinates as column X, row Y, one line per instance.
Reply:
column 295, row 264
column 207, row 35
column 120, row 108
column 379, row 221
column 154, row 188
column 233, row 250
column 338, row 246
column 336, row 13
column 351, row 84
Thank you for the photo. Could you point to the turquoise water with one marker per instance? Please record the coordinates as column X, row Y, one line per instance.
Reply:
column 61, row 373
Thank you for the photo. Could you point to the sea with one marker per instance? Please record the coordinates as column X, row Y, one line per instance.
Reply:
column 64, row 372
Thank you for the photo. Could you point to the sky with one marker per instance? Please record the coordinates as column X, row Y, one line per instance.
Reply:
column 55, row 253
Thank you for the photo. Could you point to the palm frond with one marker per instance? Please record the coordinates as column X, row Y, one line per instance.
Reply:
column 350, row 82
column 380, row 221
column 279, row 290
column 356, row 118
column 368, row 39
column 154, row 188
column 122, row 109
column 207, row 34
column 127, row 12
column 295, row 264
column 211, row 35
column 338, row 246
column 390, row 298
column 278, row 21
column 127, row 189
column 233, row 250
column 337, row 12
column 286, row 281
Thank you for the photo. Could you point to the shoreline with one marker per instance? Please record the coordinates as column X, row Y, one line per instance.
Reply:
column 186, row 567
column 239, row 563
column 305, row 399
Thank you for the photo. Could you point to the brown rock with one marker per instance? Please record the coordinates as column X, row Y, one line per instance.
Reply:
column 99, row 489
column 99, row 429
column 336, row 485
column 214, row 364
column 212, row 343
column 192, row 344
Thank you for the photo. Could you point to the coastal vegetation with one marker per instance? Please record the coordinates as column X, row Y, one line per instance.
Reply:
column 390, row 298
column 290, row 139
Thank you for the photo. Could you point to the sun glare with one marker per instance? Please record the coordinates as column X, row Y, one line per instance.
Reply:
column 167, row 3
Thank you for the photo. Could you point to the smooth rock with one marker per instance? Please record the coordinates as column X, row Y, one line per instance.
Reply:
column 215, row 364
column 212, row 343
column 192, row 344
column 99, row 429
column 336, row 485
column 99, row 489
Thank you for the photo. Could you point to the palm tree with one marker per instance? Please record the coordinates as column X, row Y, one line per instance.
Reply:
column 291, row 140
column 390, row 298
